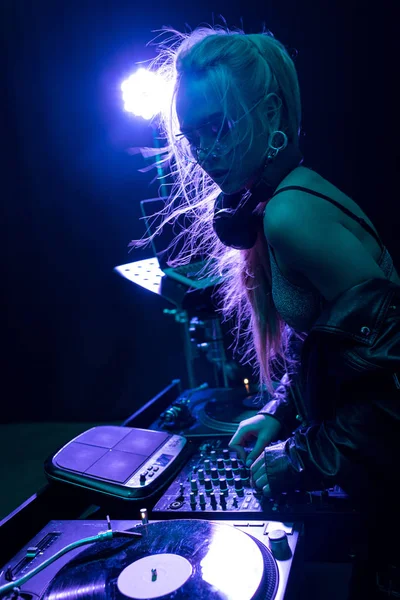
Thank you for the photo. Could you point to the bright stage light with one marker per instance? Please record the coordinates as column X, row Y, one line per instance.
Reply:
column 145, row 92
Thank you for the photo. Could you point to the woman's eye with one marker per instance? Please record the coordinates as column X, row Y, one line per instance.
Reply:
column 220, row 129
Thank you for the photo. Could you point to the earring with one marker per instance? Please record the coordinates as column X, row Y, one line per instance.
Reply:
column 273, row 149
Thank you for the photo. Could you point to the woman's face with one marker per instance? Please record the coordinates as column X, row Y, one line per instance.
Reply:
column 201, row 120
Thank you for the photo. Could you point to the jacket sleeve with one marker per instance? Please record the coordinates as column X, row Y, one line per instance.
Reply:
column 345, row 450
column 282, row 408
column 311, row 459
column 285, row 404
column 353, row 353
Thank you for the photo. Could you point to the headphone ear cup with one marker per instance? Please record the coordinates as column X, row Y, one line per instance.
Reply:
column 234, row 221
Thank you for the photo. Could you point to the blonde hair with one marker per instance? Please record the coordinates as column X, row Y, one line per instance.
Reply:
column 245, row 69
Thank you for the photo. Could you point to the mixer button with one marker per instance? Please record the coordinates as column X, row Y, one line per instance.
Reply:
column 176, row 505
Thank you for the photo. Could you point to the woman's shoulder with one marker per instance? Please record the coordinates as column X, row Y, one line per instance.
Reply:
column 311, row 180
column 323, row 198
column 316, row 206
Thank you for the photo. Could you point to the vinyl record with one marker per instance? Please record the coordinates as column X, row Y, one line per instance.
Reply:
column 225, row 411
column 181, row 559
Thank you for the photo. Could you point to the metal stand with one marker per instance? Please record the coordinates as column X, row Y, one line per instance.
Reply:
column 208, row 337
column 147, row 274
column 181, row 316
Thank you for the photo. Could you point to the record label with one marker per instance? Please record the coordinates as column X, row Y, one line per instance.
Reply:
column 154, row 576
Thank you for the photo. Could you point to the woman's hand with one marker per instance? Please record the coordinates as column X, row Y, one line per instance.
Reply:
column 259, row 478
column 262, row 428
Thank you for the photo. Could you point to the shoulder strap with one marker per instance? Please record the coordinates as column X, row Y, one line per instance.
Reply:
column 348, row 212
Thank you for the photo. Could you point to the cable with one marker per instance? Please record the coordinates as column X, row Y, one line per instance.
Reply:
column 101, row 536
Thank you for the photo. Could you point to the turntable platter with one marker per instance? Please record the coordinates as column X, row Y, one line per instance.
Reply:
column 181, row 559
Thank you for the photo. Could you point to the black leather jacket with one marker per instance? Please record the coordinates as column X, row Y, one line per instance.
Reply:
column 345, row 399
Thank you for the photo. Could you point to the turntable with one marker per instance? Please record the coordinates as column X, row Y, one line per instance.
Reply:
column 181, row 559
column 209, row 411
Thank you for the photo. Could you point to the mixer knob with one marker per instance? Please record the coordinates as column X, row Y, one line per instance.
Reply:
column 208, row 485
column 214, row 474
column 213, row 500
column 142, row 478
column 193, row 485
column 238, row 486
column 207, row 465
column 202, row 499
column 213, row 456
column 279, row 544
column 235, row 501
column 229, row 474
column 244, row 473
column 181, row 489
column 226, row 455
column 223, row 484
column 200, row 474
column 220, row 464
column 222, row 501
column 235, row 465
column 192, row 499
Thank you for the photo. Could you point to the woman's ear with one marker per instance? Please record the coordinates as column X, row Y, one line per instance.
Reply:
column 273, row 104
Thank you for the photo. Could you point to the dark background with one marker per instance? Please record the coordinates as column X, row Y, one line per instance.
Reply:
column 78, row 342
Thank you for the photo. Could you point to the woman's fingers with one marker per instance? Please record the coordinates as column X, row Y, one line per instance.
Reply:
column 238, row 442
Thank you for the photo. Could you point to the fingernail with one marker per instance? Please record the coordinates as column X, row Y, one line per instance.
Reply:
column 249, row 463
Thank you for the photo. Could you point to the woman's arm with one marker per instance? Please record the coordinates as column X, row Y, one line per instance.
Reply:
column 360, row 442
column 286, row 405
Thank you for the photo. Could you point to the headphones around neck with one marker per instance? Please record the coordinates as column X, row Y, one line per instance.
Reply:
column 234, row 220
